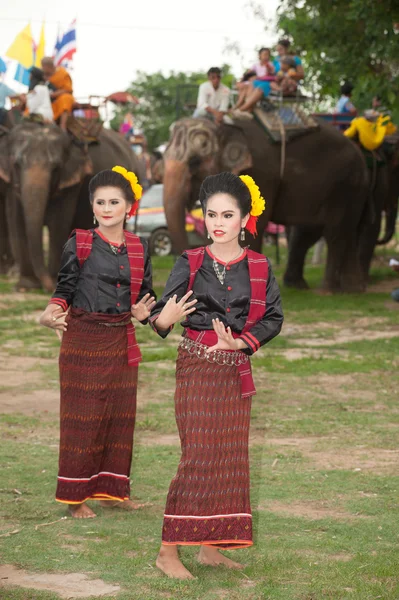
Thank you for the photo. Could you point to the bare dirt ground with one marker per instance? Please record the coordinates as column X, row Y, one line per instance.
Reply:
column 379, row 460
column 312, row 510
column 70, row 585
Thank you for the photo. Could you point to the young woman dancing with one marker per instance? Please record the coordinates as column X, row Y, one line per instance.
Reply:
column 105, row 279
column 236, row 310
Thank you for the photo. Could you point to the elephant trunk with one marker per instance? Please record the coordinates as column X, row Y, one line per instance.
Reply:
column 35, row 191
column 176, row 193
column 390, row 225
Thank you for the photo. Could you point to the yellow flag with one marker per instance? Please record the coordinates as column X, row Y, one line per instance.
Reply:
column 22, row 48
column 40, row 48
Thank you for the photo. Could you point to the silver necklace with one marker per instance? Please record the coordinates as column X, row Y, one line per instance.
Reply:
column 115, row 248
column 221, row 274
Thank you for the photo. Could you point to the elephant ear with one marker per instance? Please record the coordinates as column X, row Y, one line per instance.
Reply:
column 235, row 155
column 77, row 166
column 4, row 155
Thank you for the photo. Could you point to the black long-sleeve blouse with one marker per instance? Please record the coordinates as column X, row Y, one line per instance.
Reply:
column 228, row 302
column 103, row 283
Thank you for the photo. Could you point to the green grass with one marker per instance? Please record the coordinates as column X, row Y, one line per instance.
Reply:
column 324, row 481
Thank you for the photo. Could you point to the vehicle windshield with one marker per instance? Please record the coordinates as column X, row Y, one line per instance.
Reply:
column 152, row 198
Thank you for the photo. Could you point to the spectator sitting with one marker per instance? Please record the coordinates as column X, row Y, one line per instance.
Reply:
column 60, row 84
column 286, row 81
column 344, row 104
column 258, row 77
column 284, row 50
column 7, row 92
column 213, row 98
column 38, row 100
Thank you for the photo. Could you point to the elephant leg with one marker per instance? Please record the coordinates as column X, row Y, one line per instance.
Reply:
column 370, row 227
column 342, row 273
column 300, row 240
column 6, row 255
column 17, row 235
column 59, row 218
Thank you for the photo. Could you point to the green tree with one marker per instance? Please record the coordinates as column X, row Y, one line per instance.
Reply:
column 158, row 95
column 346, row 40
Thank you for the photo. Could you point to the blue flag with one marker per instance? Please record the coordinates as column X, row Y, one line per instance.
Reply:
column 3, row 66
column 22, row 75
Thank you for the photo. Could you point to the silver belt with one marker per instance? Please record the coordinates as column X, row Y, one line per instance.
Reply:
column 221, row 357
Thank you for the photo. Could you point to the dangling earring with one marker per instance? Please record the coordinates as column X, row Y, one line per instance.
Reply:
column 208, row 236
column 242, row 236
column 94, row 219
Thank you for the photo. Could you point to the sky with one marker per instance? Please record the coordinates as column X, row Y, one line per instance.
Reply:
column 150, row 35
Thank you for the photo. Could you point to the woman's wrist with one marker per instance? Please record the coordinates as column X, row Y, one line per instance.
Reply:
column 240, row 344
column 161, row 325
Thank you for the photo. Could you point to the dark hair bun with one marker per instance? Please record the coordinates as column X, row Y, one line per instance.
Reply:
column 226, row 183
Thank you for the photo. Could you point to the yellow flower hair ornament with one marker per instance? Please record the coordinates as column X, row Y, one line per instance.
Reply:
column 134, row 183
column 257, row 203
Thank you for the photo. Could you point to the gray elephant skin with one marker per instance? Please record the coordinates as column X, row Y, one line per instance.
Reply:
column 325, row 190
column 47, row 178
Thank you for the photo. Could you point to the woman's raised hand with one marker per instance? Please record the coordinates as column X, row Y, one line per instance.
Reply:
column 142, row 310
column 225, row 338
column 175, row 311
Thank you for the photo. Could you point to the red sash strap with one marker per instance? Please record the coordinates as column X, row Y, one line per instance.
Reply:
column 84, row 242
column 135, row 253
column 258, row 274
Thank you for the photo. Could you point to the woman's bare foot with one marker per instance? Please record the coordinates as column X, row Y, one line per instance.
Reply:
column 125, row 505
column 81, row 511
column 210, row 556
column 168, row 562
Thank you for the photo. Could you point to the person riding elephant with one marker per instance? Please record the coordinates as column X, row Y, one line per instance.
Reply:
column 7, row 92
column 38, row 100
column 60, row 83
column 48, row 185
column 213, row 98
column 324, row 185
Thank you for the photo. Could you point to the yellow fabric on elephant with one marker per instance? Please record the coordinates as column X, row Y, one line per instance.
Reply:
column 62, row 81
column 371, row 134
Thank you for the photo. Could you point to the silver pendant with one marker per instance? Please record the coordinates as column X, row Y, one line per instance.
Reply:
column 219, row 274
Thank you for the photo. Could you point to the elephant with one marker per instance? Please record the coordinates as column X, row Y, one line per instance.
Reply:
column 48, row 176
column 323, row 189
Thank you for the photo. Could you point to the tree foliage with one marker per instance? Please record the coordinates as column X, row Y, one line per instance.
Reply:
column 158, row 95
column 347, row 40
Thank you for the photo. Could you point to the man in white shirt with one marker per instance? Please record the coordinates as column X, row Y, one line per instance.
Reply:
column 213, row 99
column 38, row 101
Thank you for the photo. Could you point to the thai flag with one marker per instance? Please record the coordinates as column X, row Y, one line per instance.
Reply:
column 65, row 46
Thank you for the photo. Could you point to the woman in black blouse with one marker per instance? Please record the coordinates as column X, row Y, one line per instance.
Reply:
column 236, row 310
column 105, row 279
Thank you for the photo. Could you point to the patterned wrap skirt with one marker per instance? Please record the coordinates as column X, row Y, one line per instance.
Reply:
column 98, row 411
column 208, row 501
